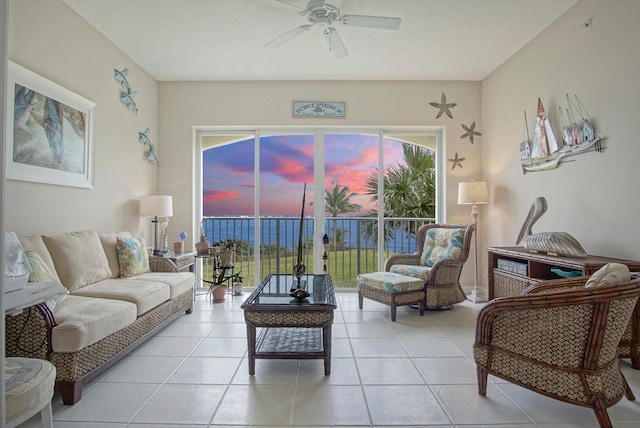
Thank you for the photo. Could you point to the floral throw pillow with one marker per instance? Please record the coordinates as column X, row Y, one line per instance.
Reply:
column 441, row 243
column 40, row 272
column 132, row 257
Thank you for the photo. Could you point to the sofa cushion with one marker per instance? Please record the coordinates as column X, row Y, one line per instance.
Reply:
column 83, row 321
column 416, row 271
column 178, row 282
column 146, row 295
column 36, row 244
column 441, row 243
column 40, row 272
column 109, row 242
column 78, row 257
column 132, row 257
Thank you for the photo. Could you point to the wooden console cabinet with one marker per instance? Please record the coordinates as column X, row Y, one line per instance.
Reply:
column 520, row 268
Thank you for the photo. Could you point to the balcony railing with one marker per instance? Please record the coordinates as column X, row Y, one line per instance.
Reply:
column 351, row 249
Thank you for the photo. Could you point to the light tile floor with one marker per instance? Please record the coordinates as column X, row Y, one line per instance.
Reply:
column 417, row 371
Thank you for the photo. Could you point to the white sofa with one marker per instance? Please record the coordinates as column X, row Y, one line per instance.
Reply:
column 110, row 308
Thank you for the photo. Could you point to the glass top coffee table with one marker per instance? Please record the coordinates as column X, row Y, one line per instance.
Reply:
column 293, row 328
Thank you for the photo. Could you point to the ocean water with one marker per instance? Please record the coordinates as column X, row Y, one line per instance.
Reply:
column 286, row 231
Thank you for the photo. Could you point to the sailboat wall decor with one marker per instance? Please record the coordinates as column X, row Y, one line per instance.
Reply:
column 544, row 152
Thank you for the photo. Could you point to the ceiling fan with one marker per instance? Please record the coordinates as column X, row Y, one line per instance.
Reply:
column 325, row 13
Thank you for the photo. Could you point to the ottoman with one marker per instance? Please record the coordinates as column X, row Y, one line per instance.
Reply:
column 28, row 390
column 392, row 289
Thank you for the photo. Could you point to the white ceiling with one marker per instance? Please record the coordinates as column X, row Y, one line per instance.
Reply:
column 224, row 39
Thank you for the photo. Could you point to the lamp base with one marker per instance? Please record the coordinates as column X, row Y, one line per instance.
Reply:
column 476, row 296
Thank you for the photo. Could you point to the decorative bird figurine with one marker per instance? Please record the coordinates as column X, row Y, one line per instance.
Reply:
column 560, row 243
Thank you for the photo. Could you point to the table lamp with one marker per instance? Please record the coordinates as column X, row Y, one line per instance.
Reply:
column 156, row 206
column 473, row 193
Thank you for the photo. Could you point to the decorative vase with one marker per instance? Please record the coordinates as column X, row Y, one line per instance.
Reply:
column 219, row 293
column 178, row 247
column 237, row 288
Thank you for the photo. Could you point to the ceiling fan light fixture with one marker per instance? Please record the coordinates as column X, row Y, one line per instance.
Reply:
column 325, row 13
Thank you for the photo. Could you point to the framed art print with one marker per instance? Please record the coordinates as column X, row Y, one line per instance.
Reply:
column 49, row 131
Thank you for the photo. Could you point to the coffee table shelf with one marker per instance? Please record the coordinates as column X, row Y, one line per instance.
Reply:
column 297, row 343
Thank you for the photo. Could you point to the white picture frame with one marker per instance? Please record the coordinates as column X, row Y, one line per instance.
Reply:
column 49, row 131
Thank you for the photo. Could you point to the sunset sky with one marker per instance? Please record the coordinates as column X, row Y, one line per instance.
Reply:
column 286, row 163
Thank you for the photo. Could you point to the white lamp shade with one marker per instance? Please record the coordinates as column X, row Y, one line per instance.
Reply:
column 156, row 206
column 473, row 192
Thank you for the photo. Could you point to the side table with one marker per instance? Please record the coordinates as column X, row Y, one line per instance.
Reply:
column 33, row 294
column 185, row 261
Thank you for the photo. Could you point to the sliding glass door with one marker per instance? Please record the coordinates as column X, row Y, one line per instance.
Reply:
column 365, row 193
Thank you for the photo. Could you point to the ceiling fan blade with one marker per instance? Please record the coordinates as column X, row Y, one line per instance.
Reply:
column 383, row 22
column 335, row 3
column 288, row 36
column 279, row 5
column 336, row 46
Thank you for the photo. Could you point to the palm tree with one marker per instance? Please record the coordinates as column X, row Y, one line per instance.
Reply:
column 409, row 188
column 337, row 201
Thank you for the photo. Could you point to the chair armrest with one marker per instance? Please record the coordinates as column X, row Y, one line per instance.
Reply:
column 402, row 259
column 158, row 264
column 28, row 334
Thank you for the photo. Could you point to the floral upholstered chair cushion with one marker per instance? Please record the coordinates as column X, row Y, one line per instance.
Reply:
column 442, row 243
column 389, row 281
column 416, row 271
column 132, row 256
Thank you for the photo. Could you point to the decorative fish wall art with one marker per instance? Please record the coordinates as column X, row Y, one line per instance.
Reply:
column 127, row 98
column 143, row 137
column 126, row 94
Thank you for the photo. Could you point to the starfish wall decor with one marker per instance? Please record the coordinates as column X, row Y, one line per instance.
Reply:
column 456, row 161
column 470, row 132
column 443, row 107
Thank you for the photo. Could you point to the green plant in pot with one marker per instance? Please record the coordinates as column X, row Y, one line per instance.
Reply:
column 202, row 247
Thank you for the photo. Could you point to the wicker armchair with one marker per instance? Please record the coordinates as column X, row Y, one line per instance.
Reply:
column 629, row 346
column 442, row 280
column 559, row 340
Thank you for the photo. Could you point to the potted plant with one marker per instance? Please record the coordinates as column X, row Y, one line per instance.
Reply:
column 178, row 246
column 202, row 247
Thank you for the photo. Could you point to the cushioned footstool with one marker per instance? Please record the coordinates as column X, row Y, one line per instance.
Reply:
column 392, row 289
column 29, row 389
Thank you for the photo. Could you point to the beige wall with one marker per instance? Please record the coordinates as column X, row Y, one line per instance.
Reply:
column 593, row 198
column 48, row 38
column 186, row 105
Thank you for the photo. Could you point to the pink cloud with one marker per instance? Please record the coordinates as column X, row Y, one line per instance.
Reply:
column 219, row 195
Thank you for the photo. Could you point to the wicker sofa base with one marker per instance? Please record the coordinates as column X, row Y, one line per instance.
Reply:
column 400, row 298
column 73, row 369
